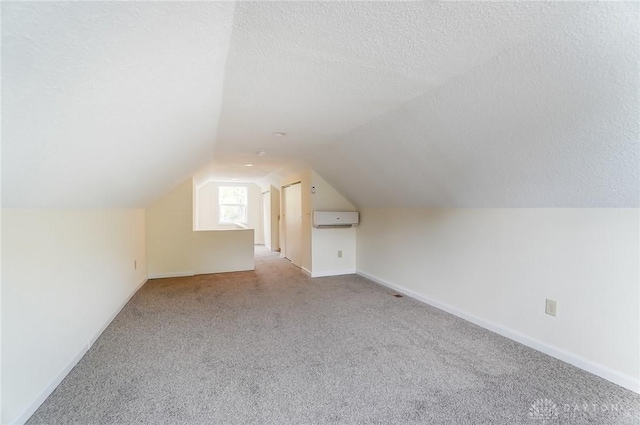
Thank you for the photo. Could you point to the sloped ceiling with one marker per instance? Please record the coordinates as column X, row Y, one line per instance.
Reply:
column 470, row 104
column 108, row 104
column 452, row 104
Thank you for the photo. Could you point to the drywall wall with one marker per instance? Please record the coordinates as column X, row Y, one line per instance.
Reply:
column 206, row 207
column 65, row 274
column 170, row 232
column 208, row 215
column 175, row 249
column 219, row 251
column 320, row 246
column 497, row 266
column 333, row 250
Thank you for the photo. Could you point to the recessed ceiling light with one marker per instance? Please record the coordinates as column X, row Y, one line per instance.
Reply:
column 261, row 153
column 248, row 165
column 280, row 134
column 234, row 180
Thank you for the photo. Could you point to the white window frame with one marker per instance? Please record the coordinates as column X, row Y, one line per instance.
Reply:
column 244, row 206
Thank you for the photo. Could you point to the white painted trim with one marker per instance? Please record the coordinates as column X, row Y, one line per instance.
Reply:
column 171, row 274
column 308, row 272
column 113, row 316
column 333, row 273
column 595, row 368
column 203, row 272
column 46, row 392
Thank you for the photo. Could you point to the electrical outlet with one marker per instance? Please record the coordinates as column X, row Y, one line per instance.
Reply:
column 551, row 307
column 339, row 253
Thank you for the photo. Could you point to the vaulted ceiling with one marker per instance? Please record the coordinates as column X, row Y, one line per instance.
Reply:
column 452, row 104
column 108, row 104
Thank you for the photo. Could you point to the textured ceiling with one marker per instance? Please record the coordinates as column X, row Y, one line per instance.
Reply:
column 551, row 122
column 108, row 104
column 319, row 70
column 473, row 104
column 452, row 104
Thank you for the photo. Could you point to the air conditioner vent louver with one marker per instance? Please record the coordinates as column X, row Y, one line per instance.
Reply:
column 335, row 219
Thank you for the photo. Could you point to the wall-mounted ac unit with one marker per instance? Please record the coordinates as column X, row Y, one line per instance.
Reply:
column 329, row 219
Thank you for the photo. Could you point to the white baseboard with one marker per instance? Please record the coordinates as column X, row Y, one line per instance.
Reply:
column 46, row 392
column 239, row 269
column 595, row 368
column 171, row 274
column 113, row 316
column 326, row 273
column 332, row 273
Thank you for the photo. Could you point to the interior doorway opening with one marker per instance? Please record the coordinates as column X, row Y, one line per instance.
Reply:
column 292, row 223
column 271, row 218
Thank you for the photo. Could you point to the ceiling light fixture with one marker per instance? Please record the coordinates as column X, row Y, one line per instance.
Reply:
column 261, row 153
column 248, row 165
column 280, row 134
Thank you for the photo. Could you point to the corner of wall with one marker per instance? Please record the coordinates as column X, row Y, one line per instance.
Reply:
column 470, row 261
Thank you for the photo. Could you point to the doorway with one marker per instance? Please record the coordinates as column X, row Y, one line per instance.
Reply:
column 271, row 218
column 266, row 218
column 292, row 200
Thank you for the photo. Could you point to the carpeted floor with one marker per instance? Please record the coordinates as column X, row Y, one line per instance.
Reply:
column 276, row 347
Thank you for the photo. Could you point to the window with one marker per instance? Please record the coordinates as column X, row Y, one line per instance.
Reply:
column 233, row 204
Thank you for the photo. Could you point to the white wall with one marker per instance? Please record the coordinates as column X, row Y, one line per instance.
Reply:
column 272, row 179
column 175, row 249
column 169, row 233
column 207, row 214
column 496, row 267
column 325, row 243
column 220, row 251
column 65, row 274
column 320, row 246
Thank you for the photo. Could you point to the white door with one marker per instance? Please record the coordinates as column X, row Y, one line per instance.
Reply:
column 293, row 223
column 266, row 212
